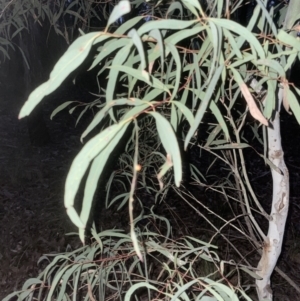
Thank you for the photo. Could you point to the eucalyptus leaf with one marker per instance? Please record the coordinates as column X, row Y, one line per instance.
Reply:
column 81, row 163
column 122, row 8
column 95, row 173
column 170, row 143
column 72, row 59
column 204, row 104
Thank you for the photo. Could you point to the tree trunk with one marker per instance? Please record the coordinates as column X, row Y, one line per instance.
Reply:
column 280, row 203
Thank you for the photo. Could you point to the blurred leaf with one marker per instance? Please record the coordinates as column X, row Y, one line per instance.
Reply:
column 61, row 107
column 251, row 273
column 231, row 146
column 164, row 24
column 128, row 25
column 174, row 118
column 143, row 76
column 288, row 39
column 273, row 65
column 292, row 14
column 173, row 6
column 270, row 100
column 241, row 31
column 134, row 112
column 176, row 56
column 193, row 6
column 185, row 111
column 137, row 286
column 122, row 8
column 232, row 43
column 56, row 281
column 183, row 34
column 265, row 15
column 139, row 45
column 290, row 61
column 160, row 48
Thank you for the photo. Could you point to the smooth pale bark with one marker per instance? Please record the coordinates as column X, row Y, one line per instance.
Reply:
column 280, row 203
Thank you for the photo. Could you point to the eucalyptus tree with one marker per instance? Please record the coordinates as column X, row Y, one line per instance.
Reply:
column 165, row 84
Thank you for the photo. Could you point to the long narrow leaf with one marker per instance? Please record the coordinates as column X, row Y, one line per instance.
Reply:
column 204, row 104
column 80, row 165
column 72, row 59
column 170, row 144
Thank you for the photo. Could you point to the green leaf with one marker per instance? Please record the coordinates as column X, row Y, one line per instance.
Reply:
column 55, row 282
column 251, row 273
column 128, row 24
column 174, row 118
column 173, row 6
column 165, row 24
column 176, row 56
column 184, row 34
column 94, row 175
column 288, row 39
column 292, row 14
column 13, row 295
column 231, row 146
column 65, row 280
column 103, row 112
column 30, row 282
column 181, row 290
column 107, row 49
column 139, row 45
column 273, row 65
column 213, row 135
column 219, row 118
column 81, row 164
column 266, row 15
column 72, row 59
column 270, row 100
column 185, row 111
column 193, row 5
column 170, row 143
column 204, row 104
column 290, row 61
column 61, row 107
column 134, row 112
column 232, row 43
column 143, row 76
column 243, row 32
column 216, row 37
column 122, row 8
column 114, row 72
column 156, row 34
column 135, row 287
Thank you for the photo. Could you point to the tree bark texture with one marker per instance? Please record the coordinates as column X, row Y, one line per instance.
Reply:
column 279, row 211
